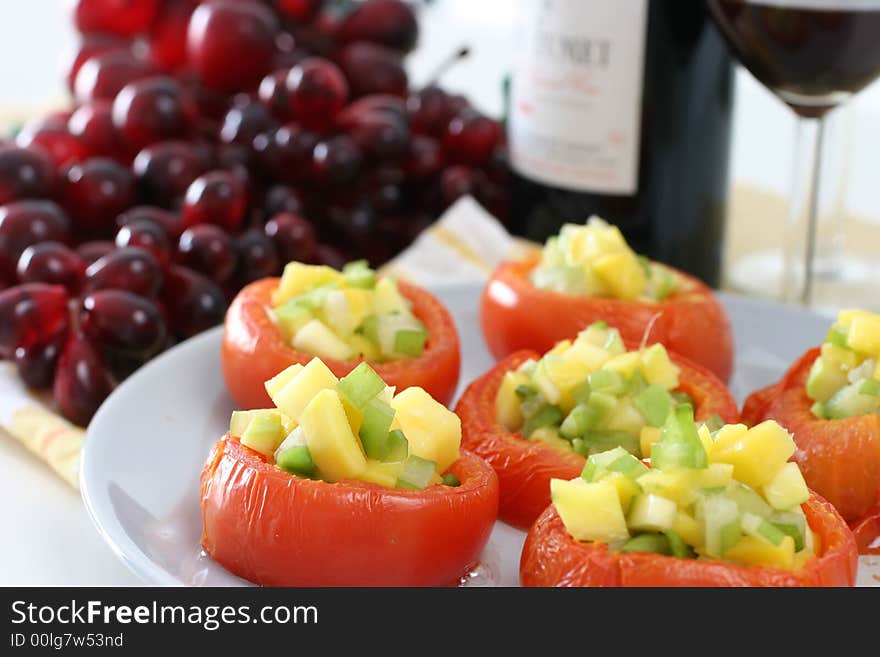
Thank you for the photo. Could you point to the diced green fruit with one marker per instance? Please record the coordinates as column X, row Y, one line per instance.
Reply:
column 334, row 448
column 679, row 445
column 824, row 380
column 677, row 484
column 388, row 326
column 580, row 394
column 849, row 402
column 590, row 511
column 292, row 315
column 375, row 424
column 410, row 342
column 546, row 416
column 648, row 542
column 293, row 397
column 759, row 528
column 792, row 524
column 550, row 436
column 580, row 420
column 345, row 310
column 655, row 404
column 281, row 379
column 870, row 387
column 264, row 433
column 677, row 545
column 818, row 409
column 651, row 513
column 361, row 385
column 369, row 328
column 241, row 419
column 450, row 479
column 608, row 382
column 658, row 368
column 599, row 464
column 315, row 338
column 433, row 431
column 297, row 461
column 359, row 274
column 787, row 489
column 417, row 473
column 398, row 446
column 714, row 422
column 601, row 441
column 387, row 298
column 720, row 517
column 626, row 417
column 837, row 335
column 602, row 404
column 747, row 500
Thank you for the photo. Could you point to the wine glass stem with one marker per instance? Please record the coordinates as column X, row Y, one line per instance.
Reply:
column 803, row 213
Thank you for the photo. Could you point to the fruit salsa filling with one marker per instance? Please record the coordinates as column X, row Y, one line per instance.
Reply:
column 845, row 379
column 728, row 494
column 591, row 394
column 348, row 314
column 352, row 428
column 595, row 260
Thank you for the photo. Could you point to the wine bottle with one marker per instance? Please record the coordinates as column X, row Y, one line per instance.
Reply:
column 622, row 109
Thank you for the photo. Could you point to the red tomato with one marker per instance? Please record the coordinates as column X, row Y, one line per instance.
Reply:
column 517, row 315
column 275, row 529
column 551, row 557
column 526, row 467
column 840, row 459
column 254, row 350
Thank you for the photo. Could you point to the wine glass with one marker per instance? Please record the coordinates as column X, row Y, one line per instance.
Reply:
column 814, row 55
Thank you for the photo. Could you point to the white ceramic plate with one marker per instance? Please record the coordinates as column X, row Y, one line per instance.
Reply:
column 147, row 443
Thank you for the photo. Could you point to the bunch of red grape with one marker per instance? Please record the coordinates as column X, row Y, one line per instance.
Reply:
column 210, row 143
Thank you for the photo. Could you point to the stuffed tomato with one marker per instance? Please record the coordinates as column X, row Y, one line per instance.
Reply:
column 536, row 418
column 589, row 273
column 346, row 483
column 723, row 508
column 830, row 400
column 344, row 318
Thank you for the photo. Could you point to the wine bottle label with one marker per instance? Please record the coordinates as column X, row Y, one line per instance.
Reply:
column 576, row 94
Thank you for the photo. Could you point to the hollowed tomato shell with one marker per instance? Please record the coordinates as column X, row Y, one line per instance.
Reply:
column 275, row 529
column 254, row 350
column 840, row 459
column 516, row 315
column 526, row 467
column 551, row 557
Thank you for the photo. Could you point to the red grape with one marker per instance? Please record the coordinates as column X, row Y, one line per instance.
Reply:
column 194, row 302
column 382, row 135
column 97, row 190
column 167, row 37
column 336, row 161
column 286, row 153
column 94, row 250
column 82, row 380
column 91, row 45
column 23, row 223
column 29, row 315
column 230, row 44
column 316, row 92
column 146, row 235
column 425, row 158
column 372, row 69
column 104, row 75
column 272, row 92
column 431, row 109
column 244, row 121
column 120, row 321
column 207, row 249
column 25, row 173
column 131, row 269
column 299, row 10
column 293, row 236
column 123, row 17
column 166, row 170
column 53, row 263
column 281, row 198
column 151, row 110
column 257, row 257
column 54, row 138
column 92, row 124
column 217, row 197
column 471, row 138
column 170, row 222
column 391, row 23
column 36, row 364
column 326, row 254
column 458, row 181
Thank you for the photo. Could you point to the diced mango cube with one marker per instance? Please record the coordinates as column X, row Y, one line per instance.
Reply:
column 316, row 338
column 756, row 455
column 507, row 402
column 281, row 379
column 749, row 551
column 653, row 513
column 864, row 334
column 647, row 438
column 705, row 437
column 387, row 299
column 787, row 489
column 622, row 274
column 384, row 474
column 295, row 395
column 627, row 488
column 334, row 448
column 298, row 278
column 589, row 356
column 433, row 431
column 675, row 484
column 626, row 363
column 658, row 368
column 686, row 526
column 590, row 511
column 364, row 347
column 560, row 347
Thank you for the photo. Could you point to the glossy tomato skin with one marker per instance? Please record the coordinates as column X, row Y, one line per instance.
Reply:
column 254, row 350
column 516, row 315
column 526, row 467
column 305, row 532
column 840, row 459
column 551, row 557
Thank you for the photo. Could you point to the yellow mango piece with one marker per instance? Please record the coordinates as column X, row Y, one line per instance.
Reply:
column 281, row 379
column 750, row 551
column 653, row 513
column 364, row 347
column 387, row 298
column 587, row 355
column 727, row 435
column 622, row 274
column 627, row 489
column 705, row 437
column 507, row 402
column 845, row 359
column 787, row 489
column 716, row 475
column 299, row 278
column 551, row 437
column 845, row 317
column 626, row 363
column 864, row 334
column 757, row 455
column 686, row 526
column 293, row 397
column 677, row 484
column 589, row 511
column 433, row 431
column 647, row 438
column 560, row 347
column 657, row 367
column 334, row 448
column 345, row 310
column 384, row 474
